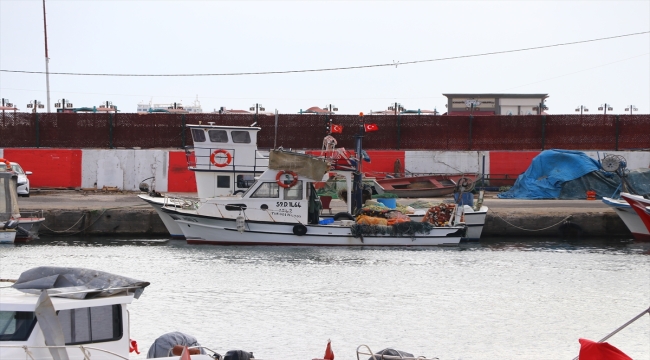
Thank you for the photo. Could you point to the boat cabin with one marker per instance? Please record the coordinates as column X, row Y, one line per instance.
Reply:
column 225, row 159
column 93, row 324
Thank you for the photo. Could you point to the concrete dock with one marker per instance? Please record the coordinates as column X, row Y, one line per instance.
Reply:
column 70, row 212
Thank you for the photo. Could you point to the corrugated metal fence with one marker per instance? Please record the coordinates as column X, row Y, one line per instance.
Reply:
column 406, row 132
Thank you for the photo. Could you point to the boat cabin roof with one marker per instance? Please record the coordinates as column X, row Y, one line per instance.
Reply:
column 14, row 300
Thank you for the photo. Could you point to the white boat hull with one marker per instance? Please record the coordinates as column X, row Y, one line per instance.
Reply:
column 7, row 236
column 210, row 230
column 629, row 217
column 157, row 203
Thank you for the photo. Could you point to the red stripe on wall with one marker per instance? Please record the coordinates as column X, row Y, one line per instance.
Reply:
column 505, row 166
column 180, row 179
column 49, row 167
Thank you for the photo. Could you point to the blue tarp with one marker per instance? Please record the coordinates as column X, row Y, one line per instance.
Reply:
column 547, row 172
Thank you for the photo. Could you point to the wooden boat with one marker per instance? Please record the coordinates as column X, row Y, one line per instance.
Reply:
column 640, row 205
column 423, row 186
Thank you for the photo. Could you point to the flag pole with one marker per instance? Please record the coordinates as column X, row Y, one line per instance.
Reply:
column 47, row 61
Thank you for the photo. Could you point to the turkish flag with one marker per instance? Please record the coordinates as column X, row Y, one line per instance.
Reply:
column 329, row 354
column 133, row 346
column 337, row 129
column 371, row 127
column 590, row 350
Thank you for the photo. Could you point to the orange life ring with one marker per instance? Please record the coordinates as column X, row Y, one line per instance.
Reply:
column 6, row 163
column 278, row 179
column 220, row 164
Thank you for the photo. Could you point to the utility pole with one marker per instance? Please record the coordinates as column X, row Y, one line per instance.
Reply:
column 47, row 61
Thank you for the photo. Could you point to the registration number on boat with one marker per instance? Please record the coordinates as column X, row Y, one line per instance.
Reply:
column 288, row 204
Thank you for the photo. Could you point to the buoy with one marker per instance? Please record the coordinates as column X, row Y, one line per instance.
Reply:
column 591, row 195
column 241, row 223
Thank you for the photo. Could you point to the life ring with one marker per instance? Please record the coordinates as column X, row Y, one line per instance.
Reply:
column 220, row 164
column 278, row 179
column 6, row 163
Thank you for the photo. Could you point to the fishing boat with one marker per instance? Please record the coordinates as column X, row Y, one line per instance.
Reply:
column 629, row 216
column 29, row 225
column 8, row 206
column 425, row 186
column 283, row 208
column 641, row 207
column 225, row 161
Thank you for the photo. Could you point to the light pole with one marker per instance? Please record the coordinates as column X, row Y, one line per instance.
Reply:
column 6, row 103
column 542, row 106
column 396, row 107
column 35, row 105
column 257, row 108
column 605, row 107
column 63, row 104
column 331, row 108
column 631, row 108
column 581, row 109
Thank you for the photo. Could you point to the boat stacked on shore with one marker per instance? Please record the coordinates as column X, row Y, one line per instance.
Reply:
column 14, row 226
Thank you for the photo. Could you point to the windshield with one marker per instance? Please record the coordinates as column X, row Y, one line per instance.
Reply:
column 16, row 325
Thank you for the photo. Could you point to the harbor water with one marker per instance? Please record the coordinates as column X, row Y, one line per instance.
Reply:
column 500, row 299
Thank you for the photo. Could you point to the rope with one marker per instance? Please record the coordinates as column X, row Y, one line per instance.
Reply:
column 520, row 228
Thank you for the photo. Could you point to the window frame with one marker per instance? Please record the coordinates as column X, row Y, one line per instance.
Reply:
column 117, row 322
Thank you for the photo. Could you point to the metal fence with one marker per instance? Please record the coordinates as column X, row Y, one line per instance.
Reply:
column 405, row 132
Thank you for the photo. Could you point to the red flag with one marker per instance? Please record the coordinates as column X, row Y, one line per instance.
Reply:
column 329, row 354
column 371, row 127
column 590, row 350
column 133, row 346
column 337, row 129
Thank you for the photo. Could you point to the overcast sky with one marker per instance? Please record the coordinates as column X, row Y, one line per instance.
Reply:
column 189, row 37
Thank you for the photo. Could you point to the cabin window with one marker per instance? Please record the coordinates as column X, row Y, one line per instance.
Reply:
column 198, row 135
column 223, row 181
column 241, row 137
column 245, row 181
column 218, row 136
column 16, row 325
column 294, row 192
column 91, row 324
column 267, row 190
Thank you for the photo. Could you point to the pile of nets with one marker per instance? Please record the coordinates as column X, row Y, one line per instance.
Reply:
column 440, row 215
column 378, row 220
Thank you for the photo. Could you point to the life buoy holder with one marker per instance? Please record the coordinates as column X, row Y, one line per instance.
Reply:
column 214, row 161
column 278, row 179
column 7, row 163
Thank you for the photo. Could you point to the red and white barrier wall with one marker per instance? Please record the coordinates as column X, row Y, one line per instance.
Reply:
column 126, row 168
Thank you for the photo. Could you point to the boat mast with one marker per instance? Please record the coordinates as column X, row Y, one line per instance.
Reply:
column 47, row 61
column 357, row 182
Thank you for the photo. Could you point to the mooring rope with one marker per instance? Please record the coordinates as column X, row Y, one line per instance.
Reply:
column 520, row 228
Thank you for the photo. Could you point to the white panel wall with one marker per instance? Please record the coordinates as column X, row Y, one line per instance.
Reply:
column 446, row 161
column 519, row 102
column 123, row 168
column 2, row 153
column 635, row 159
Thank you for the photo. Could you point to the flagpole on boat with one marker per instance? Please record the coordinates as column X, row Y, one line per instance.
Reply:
column 357, row 183
column 47, row 61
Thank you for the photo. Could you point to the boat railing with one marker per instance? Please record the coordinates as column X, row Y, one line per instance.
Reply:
column 31, row 214
column 260, row 162
column 364, row 350
column 85, row 350
column 181, row 203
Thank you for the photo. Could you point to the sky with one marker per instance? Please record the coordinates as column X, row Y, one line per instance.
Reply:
column 225, row 37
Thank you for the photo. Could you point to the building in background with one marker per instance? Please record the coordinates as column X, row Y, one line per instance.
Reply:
column 495, row 104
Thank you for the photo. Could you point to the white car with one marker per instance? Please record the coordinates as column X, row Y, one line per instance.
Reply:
column 23, row 180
